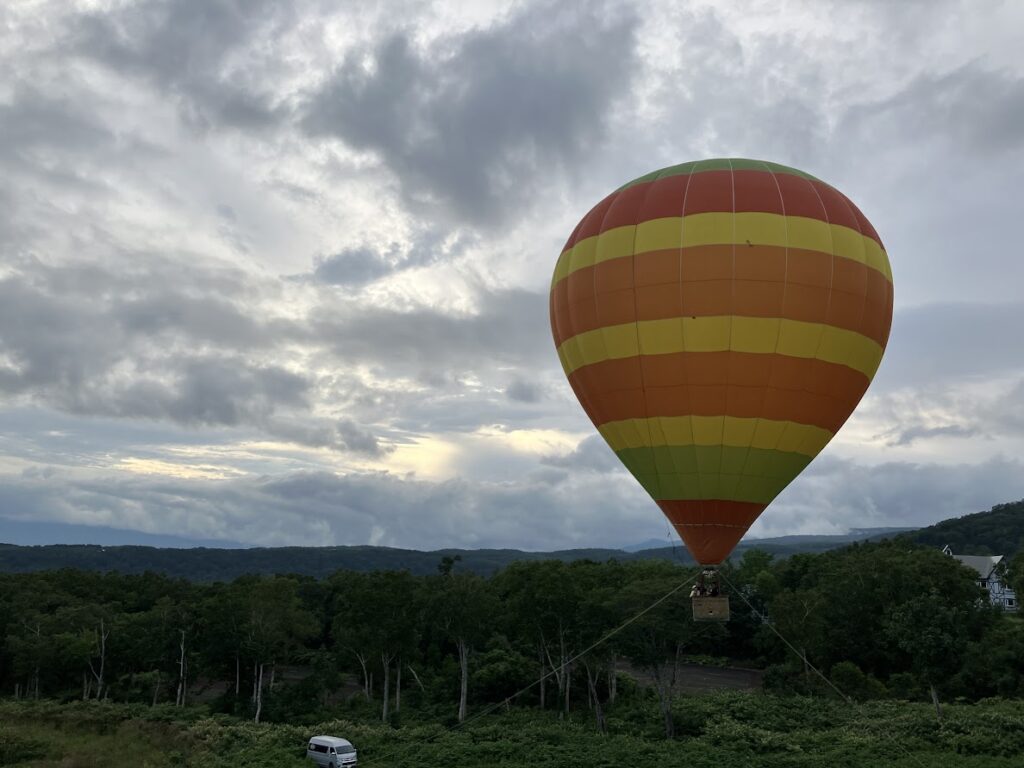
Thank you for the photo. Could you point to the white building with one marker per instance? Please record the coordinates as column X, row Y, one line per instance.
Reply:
column 989, row 578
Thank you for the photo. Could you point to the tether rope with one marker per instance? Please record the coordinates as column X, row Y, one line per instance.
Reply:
column 803, row 657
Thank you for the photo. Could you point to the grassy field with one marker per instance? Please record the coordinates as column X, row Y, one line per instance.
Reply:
column 715, row 731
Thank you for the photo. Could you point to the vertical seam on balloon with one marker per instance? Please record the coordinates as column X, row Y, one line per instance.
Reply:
column 682, row 334
column 787, row 426
column 696, row 461
column 581, row 392
column 864, row 303
column 831, row 280
column 593, row 277
column 639, row 355
column 778, row 334
column 730, row 357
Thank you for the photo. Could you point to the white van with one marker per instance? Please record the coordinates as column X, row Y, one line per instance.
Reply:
column 331, row 752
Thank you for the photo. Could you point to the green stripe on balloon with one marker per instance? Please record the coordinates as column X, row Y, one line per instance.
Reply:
column 718, row 164
column 713, row 471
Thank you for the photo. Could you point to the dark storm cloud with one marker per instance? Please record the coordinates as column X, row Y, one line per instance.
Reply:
column 470, row 123
column 184, row 46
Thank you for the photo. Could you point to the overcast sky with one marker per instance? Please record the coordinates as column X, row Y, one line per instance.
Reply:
column 276, row 273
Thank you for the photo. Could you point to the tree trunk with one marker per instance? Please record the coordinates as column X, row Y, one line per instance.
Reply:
column 386, row 663
column 259, row 693
column 85, row 685
column 664, row 687
column 613, row 680
column 156, row 688
column 935, row 699
column 101, row 647
column 398, row 685
column 255, row 679
column 238, row 674
column 592, row 680
column 568, row 685
column 464, row 677
column 543, row 674
column 416, row 678
column 179, row 700
column 17, row 691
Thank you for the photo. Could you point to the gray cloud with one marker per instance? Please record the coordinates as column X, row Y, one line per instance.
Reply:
column 523, row 391
column 468, row 124
column 511, row 326
column 839, row 494
column 976, row 109
column 143, row 338
column 185, row 48
column 952, row 340
column 916, row 433
column 353, row 267
column 591, row 455
column 321, row 508
column 558, row 510
column 157, row 341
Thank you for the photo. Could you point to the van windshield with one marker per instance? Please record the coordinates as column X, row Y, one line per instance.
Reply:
column 347, row 750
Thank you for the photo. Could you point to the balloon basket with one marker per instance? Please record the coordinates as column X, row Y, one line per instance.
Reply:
column 710, row 608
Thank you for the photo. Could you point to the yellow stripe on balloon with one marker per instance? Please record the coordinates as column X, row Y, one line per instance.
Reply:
column 725, row 333
column 732, row 431
column 724, row 229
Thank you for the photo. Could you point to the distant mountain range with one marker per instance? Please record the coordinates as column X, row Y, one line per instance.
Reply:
column 30, row 533
column 998, row 531
column 223, row 564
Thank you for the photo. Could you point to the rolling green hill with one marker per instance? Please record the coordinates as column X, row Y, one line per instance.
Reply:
column 1000, row 531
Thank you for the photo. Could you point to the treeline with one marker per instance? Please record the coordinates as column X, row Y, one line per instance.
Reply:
column 881, row 620
column 205, row 564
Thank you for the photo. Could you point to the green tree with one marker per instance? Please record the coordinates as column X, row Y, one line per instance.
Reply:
column 463, row 606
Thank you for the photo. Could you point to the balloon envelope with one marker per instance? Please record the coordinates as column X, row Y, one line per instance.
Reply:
column 719, row 321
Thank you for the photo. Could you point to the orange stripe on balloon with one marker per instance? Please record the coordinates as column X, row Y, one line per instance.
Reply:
column 711, row 529
column 741, row 191
column 744, row 385
column 712, row 280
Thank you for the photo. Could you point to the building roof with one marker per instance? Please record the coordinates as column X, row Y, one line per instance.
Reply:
column 983, row 564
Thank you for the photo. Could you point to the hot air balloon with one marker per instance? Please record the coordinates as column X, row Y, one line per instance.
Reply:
column 719, row 321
